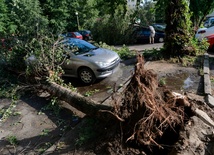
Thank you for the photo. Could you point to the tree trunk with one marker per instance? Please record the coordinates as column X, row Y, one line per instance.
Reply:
column 76, row 100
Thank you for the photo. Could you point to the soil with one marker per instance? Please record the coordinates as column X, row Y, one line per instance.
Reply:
column 35, row 127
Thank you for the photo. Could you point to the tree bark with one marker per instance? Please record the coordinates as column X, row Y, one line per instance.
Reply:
column 75, row 99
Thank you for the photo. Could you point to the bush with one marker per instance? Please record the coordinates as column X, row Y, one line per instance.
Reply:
column 113, row 31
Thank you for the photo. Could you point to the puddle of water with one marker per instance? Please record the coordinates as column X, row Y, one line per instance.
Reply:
column 181, row 82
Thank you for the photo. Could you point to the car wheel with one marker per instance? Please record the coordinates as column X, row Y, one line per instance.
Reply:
column 86, row 75
column 160, row 40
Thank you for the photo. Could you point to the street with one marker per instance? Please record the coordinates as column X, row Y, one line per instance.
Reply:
column 140, row 47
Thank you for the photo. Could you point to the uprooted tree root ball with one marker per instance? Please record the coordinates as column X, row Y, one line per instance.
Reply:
column 149, row 111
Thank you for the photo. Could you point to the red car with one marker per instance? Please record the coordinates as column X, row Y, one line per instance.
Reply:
column 210, row 40
column 73, row 35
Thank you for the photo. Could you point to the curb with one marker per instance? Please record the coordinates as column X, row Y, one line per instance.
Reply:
column 207, row 83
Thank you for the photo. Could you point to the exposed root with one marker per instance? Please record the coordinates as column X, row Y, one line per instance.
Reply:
column 147, row 110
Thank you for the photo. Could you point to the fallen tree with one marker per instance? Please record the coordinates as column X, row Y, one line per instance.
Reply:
column 75, row 99
column 145, row 110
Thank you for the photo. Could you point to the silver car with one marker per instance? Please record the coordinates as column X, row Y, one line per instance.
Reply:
column 87, row 61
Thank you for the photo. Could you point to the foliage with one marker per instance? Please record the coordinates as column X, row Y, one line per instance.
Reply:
column 25, row 21
column 42, row 147
column 124, row 52
column 113, row 30
column 12, row 140
column 87, row 133
column 160, row 8
column 200, row 46
column 91, row 92
column 111, row 7
column 200, row 9
column 162, row 82
column 146, row 13
column 44, row 57
column 59, row 13
column 45, row 132
column 3, row 18
column 53, row 106
column 26, row 17
column 153, row 54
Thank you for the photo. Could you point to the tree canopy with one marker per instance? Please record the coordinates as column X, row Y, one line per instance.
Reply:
column 110, row 21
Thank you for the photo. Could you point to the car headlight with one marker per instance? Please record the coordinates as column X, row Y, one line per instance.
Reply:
column 102, row 64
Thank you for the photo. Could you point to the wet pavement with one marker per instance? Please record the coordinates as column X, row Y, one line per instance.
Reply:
column 103, row 89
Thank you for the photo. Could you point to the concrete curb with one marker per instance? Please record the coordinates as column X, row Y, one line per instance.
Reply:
column 207, row 83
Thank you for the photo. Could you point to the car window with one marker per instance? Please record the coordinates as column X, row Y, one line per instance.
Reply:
column 77, row 33
column 211, row 22
column 79, row 47
column 69, row 35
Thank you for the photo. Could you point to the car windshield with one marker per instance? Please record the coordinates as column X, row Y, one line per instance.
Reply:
column 77, row 33
column 79, row 46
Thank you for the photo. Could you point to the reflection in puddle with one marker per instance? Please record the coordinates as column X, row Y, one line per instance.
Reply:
column 187, row 83
column 180, row 82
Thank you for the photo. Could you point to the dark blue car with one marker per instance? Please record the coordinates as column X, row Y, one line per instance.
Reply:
column 141, row 35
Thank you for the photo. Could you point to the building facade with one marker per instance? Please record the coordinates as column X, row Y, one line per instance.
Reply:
column 131, row 4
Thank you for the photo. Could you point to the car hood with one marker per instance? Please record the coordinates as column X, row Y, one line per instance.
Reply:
column 101, row 54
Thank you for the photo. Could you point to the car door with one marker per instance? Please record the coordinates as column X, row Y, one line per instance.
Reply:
column 71, row 64
column 143, row 35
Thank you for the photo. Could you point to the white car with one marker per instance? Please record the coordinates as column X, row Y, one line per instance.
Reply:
column 204, row 32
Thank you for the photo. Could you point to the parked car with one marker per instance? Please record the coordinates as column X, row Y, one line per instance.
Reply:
column 159, row 27
column 88, row 62
column 72, row 35
column 141, row 35
column 210, row 40
column 86, row 34
column 209, row 22
column 204, row 32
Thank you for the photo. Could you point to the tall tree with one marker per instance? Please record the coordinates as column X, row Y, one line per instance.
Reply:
column 25, row 22
column 160, row 8
column 178, row 29
column 3, row 17
column 146, row 13
column 27, row 16
column 200, row 9
column 59, row 13
column 110, row 6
